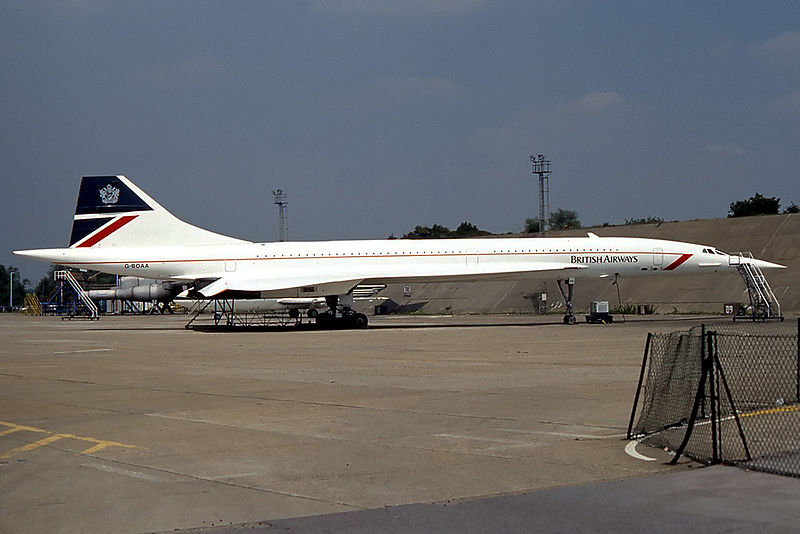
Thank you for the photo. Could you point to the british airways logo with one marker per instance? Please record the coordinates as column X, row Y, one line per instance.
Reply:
column 109, row 194
column 604, row 258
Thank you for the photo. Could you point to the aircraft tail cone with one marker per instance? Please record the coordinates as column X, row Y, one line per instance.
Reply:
column 45, row 254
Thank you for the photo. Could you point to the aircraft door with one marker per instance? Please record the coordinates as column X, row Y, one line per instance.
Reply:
column 658, row 257
column 472, row 257
column 230, row 266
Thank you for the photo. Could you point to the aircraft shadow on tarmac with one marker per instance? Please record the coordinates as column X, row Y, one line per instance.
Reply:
column 310, row 327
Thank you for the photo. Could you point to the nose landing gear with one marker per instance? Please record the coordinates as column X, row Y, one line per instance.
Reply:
column 569, row 316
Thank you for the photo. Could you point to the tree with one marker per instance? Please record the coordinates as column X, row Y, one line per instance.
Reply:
column 793, row 208
column 531, row 226
column 428, row 232
column 20, row 285
column 755, row 205
column 644, row 220
column 562, row 219
column 46, row 286
column 465, row 229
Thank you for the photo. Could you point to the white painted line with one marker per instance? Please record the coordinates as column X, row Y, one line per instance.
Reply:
column 81, row 350
column 630, row 448
column 262, row 427
column 233, row 475
column 491, row 440
column 126, row 472
column 27, row 367
column 563, row 434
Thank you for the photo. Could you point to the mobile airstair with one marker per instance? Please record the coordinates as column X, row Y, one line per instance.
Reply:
column 73, row 301
column 32, row 305
column 763, row 303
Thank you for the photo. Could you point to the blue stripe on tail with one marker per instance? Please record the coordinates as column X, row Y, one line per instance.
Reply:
column 107, row 194
column 83, row 227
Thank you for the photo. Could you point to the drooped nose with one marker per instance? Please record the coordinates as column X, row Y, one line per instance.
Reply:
column 761, row 264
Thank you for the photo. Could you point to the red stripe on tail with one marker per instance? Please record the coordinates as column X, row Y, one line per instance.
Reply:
column 108, row 230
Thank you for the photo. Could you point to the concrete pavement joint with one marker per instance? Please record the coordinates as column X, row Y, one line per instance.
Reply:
column 217, row 480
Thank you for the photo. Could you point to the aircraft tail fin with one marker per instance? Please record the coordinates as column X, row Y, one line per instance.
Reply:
column 113, row 212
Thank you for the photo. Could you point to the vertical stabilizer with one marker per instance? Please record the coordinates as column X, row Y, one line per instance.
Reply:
column 113, row 212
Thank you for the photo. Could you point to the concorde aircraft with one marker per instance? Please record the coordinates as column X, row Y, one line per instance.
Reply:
column 119, row 229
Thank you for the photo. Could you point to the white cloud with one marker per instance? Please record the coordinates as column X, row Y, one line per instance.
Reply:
column 595, row 103
column 406, row 8
column 725, row 150
column 789, row 104
column 785, row 47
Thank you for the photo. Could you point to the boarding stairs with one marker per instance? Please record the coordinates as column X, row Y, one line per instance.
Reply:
column 763, row 302
column 80, row 305
column 32, row 305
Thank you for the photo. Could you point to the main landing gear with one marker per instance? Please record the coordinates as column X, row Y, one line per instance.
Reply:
column 569, row 316
column 340, row 316
column 294, row 313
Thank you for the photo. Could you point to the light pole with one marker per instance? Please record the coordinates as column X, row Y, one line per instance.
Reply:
column 541, row 167
column 282, row 202
column 10, row 290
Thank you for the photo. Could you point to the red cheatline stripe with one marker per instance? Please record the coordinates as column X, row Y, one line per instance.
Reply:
column 108, row 230
column 677, row 262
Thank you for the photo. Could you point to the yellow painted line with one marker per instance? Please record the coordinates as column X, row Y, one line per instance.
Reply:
column 17, row 428
column 99, row 444
column 102, row 444
column 768, row 411
column 30, row 446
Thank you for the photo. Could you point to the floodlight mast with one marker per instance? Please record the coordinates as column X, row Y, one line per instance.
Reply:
column 282, row 202
column 541, row 167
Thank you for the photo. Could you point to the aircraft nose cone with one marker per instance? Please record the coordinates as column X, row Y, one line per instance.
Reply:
column 761, row 264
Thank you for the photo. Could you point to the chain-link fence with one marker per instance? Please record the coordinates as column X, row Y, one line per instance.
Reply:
column 723, row 393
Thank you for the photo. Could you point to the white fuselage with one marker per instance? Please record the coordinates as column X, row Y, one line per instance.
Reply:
column 388, row 261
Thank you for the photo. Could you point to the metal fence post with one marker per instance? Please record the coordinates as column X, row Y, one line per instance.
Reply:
column 639, row 386
column 702, row 362
column 698, row 399
column 711, row 370
column 723, row 382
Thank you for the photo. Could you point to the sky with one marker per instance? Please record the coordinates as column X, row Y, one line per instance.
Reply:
column 375, row 116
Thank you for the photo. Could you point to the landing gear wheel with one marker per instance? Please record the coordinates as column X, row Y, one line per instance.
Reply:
column 325, row 320
column 312, row 313
column 360, row 320
column 569, row 319
column 294, row 313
